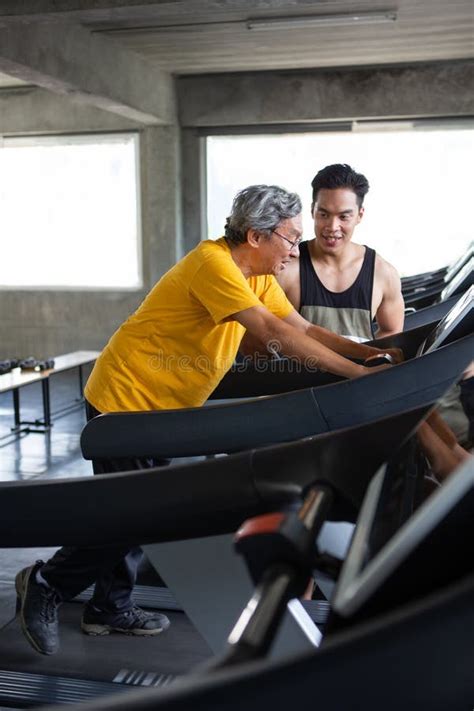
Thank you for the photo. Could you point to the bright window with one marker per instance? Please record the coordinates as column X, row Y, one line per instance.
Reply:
column 69, row 212
column 417, row 209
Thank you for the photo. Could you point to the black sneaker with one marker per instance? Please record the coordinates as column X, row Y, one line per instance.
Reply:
column 38, row 608
column 134, row 621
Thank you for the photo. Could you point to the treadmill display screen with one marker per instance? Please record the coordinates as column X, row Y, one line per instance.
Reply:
column 459, row 263
column 457, row 323
column 461, row 281
column 388, row 562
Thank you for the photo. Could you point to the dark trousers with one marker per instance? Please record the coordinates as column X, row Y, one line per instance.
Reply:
column 112, row 568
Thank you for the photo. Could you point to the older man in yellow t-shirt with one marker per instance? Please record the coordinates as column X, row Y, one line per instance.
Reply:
column 180, row 342
column 171, row 353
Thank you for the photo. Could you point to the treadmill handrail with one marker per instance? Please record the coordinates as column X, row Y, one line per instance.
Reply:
column 237, row 426
column 203, row 498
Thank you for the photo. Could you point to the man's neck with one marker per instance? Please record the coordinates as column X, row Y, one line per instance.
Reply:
column 242, row 257
column 337, row 260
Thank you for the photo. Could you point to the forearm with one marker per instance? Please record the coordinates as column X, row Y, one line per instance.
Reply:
column 341, row 345
column 252, row 345
column 312, row 352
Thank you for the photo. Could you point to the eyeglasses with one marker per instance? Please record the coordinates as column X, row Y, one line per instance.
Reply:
column 294, row 244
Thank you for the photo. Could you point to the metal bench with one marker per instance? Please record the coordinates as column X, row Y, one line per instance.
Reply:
column 15, row 380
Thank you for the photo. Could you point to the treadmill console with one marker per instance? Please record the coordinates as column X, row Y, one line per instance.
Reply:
column 390, row 563
column 459, row 263
column 461, row 281
column 458, row 322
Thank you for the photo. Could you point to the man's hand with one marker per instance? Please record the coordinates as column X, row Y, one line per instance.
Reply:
column 374, row 369
column 379, row 359
column 396, row 353
column 382, row 360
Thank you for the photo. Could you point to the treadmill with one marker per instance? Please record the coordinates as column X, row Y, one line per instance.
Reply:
column 254, row 423
column 428, row 314
column 456, row 323
column 423, row 330
column 231, row 427
column 87, row 499
column 283, row 376
column 400, row 628
column 441, row 276
column 424, row 296
column 399, row 554
column 196, row 506
column 395, row 559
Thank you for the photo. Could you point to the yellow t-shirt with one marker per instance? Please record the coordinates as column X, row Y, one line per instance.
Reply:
column 173, row 351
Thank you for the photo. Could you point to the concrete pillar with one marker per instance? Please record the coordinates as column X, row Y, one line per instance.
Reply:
column 194, row 184
column 161, row 196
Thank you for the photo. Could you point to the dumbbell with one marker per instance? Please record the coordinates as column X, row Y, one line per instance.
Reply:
column 36, row 365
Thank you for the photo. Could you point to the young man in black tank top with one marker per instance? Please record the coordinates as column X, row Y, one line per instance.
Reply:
column 342, row 286
column 336, row 283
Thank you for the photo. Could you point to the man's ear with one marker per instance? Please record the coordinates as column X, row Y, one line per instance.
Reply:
column 313, row 205
column 361, row 215
column 253, row 237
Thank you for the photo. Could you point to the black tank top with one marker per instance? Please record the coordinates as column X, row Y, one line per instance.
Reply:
column 349, row 312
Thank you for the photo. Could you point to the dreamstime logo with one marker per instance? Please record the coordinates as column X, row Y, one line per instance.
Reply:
column 264, row 364
column 274, row 348
column 185, row 363
column 261, row 363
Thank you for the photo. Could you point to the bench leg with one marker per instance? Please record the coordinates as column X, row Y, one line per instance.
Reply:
column 16, row 409
column 46, row 404
column 81, row 385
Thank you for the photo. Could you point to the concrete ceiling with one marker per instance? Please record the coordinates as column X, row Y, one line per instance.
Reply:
column 208, row 36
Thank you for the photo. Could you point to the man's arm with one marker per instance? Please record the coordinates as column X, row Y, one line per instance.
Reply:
column 294, row 342
column 339, row 344
column 391, row 312
column 289, row 280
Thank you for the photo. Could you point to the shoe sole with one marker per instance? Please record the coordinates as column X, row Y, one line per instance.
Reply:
column 100, row 630
column 21, row 583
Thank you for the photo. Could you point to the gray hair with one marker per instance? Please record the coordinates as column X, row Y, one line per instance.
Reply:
column 261, row 208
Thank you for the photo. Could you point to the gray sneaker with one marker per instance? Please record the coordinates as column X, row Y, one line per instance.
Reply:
column 37, row 606
column 133, row 621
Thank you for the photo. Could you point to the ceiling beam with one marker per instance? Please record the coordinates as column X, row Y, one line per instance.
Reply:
column 110, row 10
column 130, row 8
column 246, row 99
column 48, row 9
column 70, row 60
column 31, row 110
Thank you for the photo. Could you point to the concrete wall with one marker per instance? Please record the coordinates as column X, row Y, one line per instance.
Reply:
column 173, row 168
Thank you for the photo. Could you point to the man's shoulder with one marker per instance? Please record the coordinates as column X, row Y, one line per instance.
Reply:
column 385, row 273
column 210, row 252
column 210, row 257
column 383, row 266
column 209, row 248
